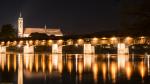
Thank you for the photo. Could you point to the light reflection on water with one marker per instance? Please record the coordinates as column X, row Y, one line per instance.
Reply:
column 74, row 68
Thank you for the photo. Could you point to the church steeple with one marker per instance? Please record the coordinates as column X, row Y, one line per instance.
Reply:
column 20, row 15
column 20, row 25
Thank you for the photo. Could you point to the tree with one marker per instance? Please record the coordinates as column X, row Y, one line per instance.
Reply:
column 7, row 31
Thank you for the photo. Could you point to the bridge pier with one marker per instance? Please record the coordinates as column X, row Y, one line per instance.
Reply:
column 88, row 49
column 28, row 49
column 60, row 49
column 56, row 49
column 122, row 48
column 2, row 49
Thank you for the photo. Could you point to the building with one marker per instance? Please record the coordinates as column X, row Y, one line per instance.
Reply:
column 25, row 32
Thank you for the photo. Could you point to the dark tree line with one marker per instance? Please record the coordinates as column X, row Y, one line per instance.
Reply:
column 8, row 31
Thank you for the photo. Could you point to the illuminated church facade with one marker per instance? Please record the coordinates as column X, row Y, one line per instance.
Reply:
column 25, row 32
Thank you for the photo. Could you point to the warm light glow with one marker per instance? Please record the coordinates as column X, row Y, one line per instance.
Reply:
column 36, row 62
column 113, row 71
column 128, row 70
column 80, row 70
column 20, row 69
column 142, row 37
column 128, row 40
column 30, row 66
column 29, row 61
column 76, row 62
column 70, row 42
column 88, row 49
column 60, row 42
column 19, row 45
column 21, row 42
column 55, row 60
column 55, row 48
column 113, row 40
column 60, row 67
column 122, row 49
column 43, row 42
column 0, row 60
column 43, row 63
column 15, row 65
column 26, row 61
column 14, row 43
column 104, row 40
column 122, row 59
column 142, row 40
column 95, row 71
column 70, row 66
column 104, row 70
column 50, row 42
column 36, row 42
column 2, row 43
column 8, row 43
column 3, row 61
column 30, row 42
column 87, row 61
column 80, row 41
column 76, row 45
column 50, row 64
column 60, row 64
column 8, row 62
column 142, row 69
column 94, row 41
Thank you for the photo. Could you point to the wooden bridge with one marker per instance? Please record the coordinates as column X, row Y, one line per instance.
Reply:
column 88, row 44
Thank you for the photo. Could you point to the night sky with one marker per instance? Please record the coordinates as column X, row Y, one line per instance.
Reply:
column 73, row 16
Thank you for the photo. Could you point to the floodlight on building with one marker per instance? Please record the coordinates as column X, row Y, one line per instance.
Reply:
column 128, row 40
column 50, row 42
column 80, row 41
column 70, row 42
column 95, row 40
column 104, row 38
column 60, row 42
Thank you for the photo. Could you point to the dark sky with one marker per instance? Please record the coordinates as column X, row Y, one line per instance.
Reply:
column 74, row 16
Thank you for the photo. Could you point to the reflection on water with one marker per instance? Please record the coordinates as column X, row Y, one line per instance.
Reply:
column 20, row 69
column 74, row 68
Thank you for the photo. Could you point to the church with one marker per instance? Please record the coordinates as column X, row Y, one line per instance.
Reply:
column 25, row 32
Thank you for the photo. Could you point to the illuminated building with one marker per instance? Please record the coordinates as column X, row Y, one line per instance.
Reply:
column 25, row 32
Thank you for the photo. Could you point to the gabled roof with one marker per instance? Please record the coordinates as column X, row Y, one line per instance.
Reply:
column 49, row 31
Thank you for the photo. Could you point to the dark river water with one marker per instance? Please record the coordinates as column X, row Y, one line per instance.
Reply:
column 74, row 68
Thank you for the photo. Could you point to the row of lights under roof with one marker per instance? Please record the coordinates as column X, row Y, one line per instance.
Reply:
column 81, row 40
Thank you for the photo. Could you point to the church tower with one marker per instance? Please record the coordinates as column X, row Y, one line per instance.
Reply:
column 20, row 26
